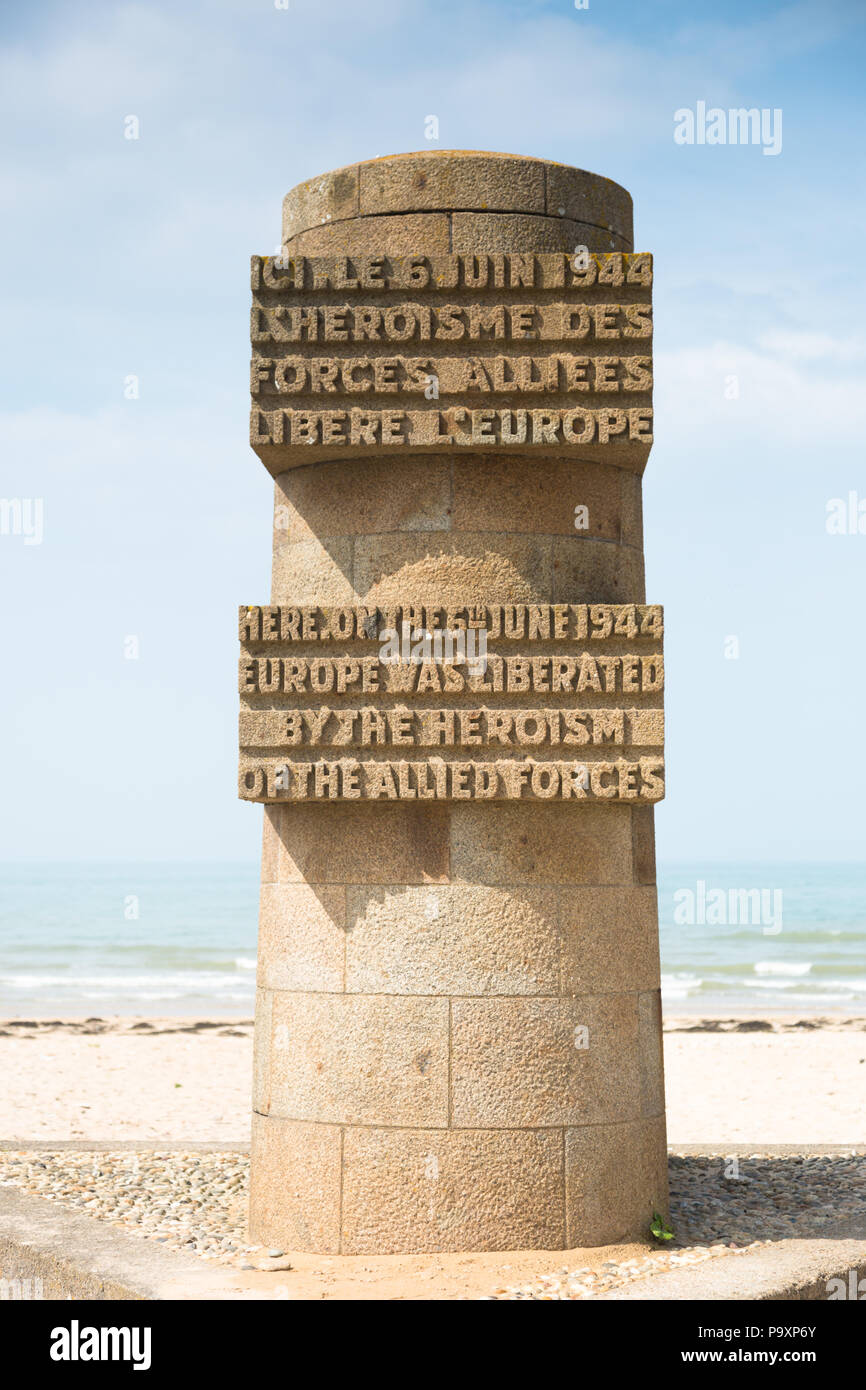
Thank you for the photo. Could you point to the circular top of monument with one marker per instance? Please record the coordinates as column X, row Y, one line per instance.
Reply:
column 457, row 181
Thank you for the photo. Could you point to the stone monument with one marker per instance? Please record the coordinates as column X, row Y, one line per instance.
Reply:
column 452, row 711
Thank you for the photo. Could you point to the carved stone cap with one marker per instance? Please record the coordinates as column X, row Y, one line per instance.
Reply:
column 459, row 181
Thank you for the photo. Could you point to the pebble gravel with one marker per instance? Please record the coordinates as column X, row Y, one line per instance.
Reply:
column 196, row 1202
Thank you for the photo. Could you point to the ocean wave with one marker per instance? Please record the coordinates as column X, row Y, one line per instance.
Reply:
column 823, row 999
column 782, row 967
column 768, row 984
column 185, row 982
column 680, row 986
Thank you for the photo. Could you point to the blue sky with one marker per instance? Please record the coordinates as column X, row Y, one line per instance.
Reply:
column 130, row 257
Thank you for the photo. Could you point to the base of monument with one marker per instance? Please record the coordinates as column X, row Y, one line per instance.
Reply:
column 49, row 1252
column 361, row 1190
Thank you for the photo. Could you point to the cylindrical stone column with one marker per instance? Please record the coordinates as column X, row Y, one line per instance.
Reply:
column 458, row 1031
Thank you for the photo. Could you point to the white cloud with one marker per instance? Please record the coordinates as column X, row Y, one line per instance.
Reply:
column 773, row 400
column 806, row 346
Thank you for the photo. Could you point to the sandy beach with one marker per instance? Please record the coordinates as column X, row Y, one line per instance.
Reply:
column 143, row 1124
column 729, row 1081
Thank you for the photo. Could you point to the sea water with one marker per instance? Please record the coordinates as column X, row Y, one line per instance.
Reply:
column 79, row 940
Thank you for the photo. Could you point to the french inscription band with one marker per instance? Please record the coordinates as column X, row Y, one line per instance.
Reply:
column 452, row 710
